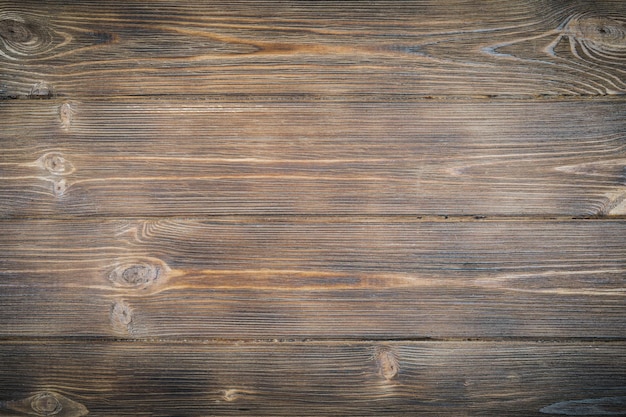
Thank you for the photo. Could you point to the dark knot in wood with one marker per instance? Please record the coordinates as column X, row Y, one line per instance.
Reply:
column 601, row 31
column 135, row 274
column 15, row 31
column 24, row 39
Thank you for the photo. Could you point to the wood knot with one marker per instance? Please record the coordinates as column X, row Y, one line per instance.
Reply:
column 41, row 90
column 25, row 37
column 103, row 37
column 602, row 32
column 138, row 275
column 122, row 317
column 65, row 115
column 55, row 163
column 59, row 188
column 230, row 395
column 388, row 366
column 15, row 31
column 46, row 404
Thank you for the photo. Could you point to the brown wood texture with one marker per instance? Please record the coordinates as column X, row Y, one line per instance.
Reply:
column 312, row 208
column 302, row 278
column 451, row 48
column 197, row 157
column 322, row 378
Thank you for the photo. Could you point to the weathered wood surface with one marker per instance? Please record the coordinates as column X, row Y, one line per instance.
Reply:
column 451, row 48
column 322, row 378
column 312, row 278
column 158, row 158
column 312, row 208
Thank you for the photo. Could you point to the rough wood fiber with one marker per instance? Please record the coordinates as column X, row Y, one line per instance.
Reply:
column 312, row 208
column 258, row 278
column 307, row 379
column 190, row 157
column 451, row 48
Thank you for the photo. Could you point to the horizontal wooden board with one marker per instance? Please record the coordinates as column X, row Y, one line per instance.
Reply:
column 427, row 47
column 198, row 157
column 312, row 278
column 312, row 208
column 347, row 379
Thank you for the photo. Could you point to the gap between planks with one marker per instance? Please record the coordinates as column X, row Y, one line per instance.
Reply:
column 309, row 340
column 372, row 98
column 329, row 218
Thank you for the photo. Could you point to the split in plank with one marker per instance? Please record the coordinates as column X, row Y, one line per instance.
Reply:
column 194, row 157
column 452, row 48
column 249, row 279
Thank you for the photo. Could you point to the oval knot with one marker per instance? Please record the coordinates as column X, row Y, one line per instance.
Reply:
column 139, row 274
column 15, row 31
column 388, row 366
column 121, row 314
column 56, row 164
column 46, row 404
column 599, row 30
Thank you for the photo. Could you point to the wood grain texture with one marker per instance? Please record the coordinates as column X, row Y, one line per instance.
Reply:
column 306, row 379
column 312, row 208
column 264, row 279
column 451, row 48
column 196, row 157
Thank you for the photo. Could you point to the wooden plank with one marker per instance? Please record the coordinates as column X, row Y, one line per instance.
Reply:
column 177, row 157
column 312, row 278
column 452, row 48
column 348, row 379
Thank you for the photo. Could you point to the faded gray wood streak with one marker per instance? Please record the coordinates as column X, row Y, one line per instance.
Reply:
column 164, row 157
column 321, row 278
column 323, row 378
column 604, row 406
column 452, row 48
